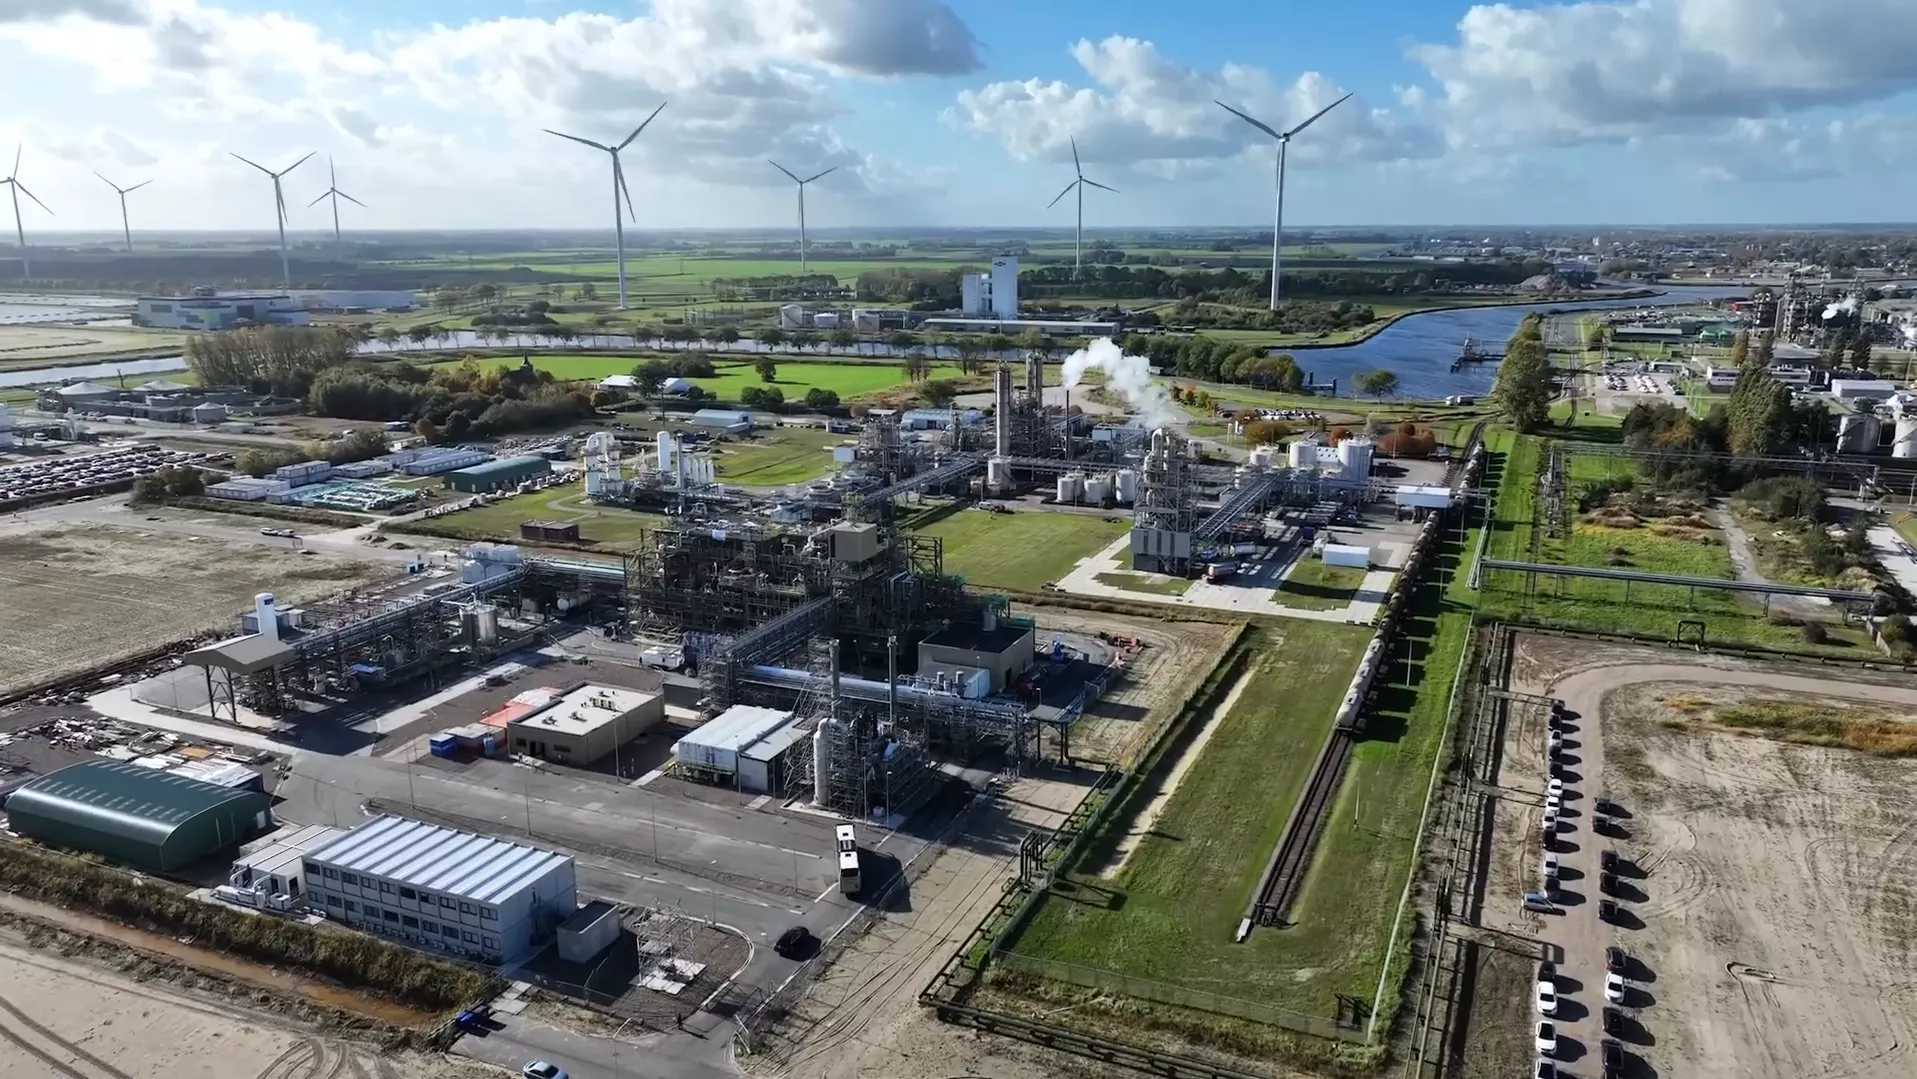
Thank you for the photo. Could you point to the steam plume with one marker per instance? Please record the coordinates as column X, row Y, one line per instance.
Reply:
column 1131, row 376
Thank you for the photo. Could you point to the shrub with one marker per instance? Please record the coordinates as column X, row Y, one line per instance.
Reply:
column 1599, row 492
column 1815, row 633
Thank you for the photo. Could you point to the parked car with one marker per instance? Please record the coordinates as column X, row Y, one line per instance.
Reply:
column 1614, row 987
column 1548, row 824
column 1539, row 902
column 1607, row 910
column 1616, row 960
column 793, row 943
column 1613, row 1056
column 1607, row 883
column 1607, row 861
column 1553, row 804
column 1547, row 997
column 1548, row 867
column 541, row 1069
column 1613, row 1022
column 1556, row 741
column 1606, row 805
column 1545, row 1070
column 1555, row 788
column 1547, row 1038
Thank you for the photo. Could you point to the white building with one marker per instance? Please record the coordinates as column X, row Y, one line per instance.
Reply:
column 743, row 746
column 481, row 898
column 267, row 874
column 357, row 299
column 220, row 312
column 993, row 295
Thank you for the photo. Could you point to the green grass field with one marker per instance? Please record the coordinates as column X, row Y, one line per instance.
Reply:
column 776, row 457
column 608, row 525
column 1170, row 911
column 793, row 377
column 1020, row 551
column 1314, row 585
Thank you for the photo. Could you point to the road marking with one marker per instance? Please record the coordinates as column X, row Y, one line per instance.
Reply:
column 646, row 780
column 759, row 802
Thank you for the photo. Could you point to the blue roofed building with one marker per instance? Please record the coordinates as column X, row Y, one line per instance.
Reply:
column 482, row 898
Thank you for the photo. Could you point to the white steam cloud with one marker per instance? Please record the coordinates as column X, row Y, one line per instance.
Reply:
column 1847, row 305
column 1909, row 329
column 1131, row 376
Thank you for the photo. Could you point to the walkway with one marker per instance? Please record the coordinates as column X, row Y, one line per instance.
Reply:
column 1250, row 594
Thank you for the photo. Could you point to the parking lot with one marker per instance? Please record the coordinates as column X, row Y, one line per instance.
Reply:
column 1763, row 905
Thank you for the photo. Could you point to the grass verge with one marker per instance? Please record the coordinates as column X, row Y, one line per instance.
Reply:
column 1022, row 551
column 1155, row 584
column 1315, row 585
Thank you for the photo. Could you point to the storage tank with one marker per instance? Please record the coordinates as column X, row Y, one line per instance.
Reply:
column 1070, row 486
column 1903, row 444
column 822, row 764
column 485, row 623
column 998, row 474
column 1304, row 454
column 1354, row 459
column 1857, row 433
column 1098, row 489
column 1125, row 485
column 1261, row 456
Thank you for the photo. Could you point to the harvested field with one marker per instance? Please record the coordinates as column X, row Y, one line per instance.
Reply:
column 23, row 346
column 1768, row 901
column 93, row 593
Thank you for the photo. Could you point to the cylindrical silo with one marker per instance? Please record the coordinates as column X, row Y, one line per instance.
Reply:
column 1071, row 486
column 1304, row 454
column 998, row 474
column 1098, row 489
column 1857, row 433
column 822, row 764
column 1125, row 485
column 1904, row 443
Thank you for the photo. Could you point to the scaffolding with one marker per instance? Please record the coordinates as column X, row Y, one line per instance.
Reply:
column 1164, row 516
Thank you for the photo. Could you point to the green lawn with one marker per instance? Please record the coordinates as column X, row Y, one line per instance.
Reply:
column 1170, row 912
column 848, row 380
column 1021, row 551
column 776, row 456
column 1154, row 583
column 1314, row 585
column 607, row 525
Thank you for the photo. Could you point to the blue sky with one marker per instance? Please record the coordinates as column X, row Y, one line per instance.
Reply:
column 962, row 112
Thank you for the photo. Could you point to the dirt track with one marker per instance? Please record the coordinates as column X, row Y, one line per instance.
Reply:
column 1176, row 658
column 1773, row 923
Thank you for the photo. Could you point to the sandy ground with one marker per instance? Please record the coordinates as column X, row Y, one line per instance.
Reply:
column 861, row 1018
column 19, row 345
column 94, row 593
column 64, row 1017
column 1176, row 658
column 1770, row 927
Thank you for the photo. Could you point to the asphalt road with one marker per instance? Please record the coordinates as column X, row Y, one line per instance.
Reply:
column 515, row 1041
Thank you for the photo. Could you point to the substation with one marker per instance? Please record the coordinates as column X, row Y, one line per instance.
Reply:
column 815, row 600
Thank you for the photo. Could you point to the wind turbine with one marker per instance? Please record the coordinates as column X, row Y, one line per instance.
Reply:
column 801, row 184
column 332, row 191
column 279, row 206
column 1284, row 143
column 123, row 192
column 20, row 233
column 1079, row 184
column 618, row 189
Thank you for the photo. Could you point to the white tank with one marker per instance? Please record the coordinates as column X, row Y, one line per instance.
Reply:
column 1857, row 433
column 486, row 623
column 821, row 764
column 998, row 474
column 667, row 450
column 266, row 616
column 1354, row 459
column 1304, row 454
column 1125, row 485
column 1098, row 489
column 1071, row 485
column 1261, row 456
column 1904, row 443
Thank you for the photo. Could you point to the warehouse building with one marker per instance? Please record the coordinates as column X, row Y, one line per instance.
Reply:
column 141, row 816
column 494, row 475
column 585, row 724
column 742, row 747
column 1002, row 650
column 477, row 897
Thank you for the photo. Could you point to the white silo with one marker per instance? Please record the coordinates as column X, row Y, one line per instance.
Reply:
column 1304, row 454
column 1098, row 489
column 1354, row 459
column 1125, row 485
column 822, row 764
column 1903, row 444
column 1261, row 456
column 266, row 616
column 1070, row 486
column 668, row 451
column 1858, row 433
column 998, row 474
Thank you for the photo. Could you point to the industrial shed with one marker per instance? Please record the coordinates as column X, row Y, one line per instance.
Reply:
column 493, row 475
column 141, row 816
column 1001, row 650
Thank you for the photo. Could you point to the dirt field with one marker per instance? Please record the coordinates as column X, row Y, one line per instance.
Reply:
column 91, row 593
column 62, row 1016
column 1176, row 658
column 1770, row 913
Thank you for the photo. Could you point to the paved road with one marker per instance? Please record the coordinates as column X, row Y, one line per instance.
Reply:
column 517, row 1041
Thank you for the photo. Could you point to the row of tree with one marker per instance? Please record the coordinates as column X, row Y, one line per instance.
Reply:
column 1523, row 389
column 280, row 360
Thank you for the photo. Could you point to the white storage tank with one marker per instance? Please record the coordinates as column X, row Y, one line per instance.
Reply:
column 1125, row 485
column 1904, row 443
column 998, row 474
column 1261, row 456
column 1857, row 433
column 1354, row 458
column 1070, row 486
column 1098, row 489
column 1304, row 454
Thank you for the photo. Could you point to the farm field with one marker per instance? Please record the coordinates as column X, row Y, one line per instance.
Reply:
column 1168, row 912
column 1020, row 551
column 793, row 377
column 27, row 346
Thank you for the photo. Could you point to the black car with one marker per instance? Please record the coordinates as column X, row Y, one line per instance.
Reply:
column 1613, row 1056
column 1613, row 1022
column 1615, row 960
column 1607, row 861
column 1605, row 805
column 1607, row 883
column 1607, row 910
column 794, row 943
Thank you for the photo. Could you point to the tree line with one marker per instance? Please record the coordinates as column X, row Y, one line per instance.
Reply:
column 279, row 360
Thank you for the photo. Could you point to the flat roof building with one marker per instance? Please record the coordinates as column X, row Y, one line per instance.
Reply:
column 140, row 816
column 585, row 724
column 269, row 875
column 478, row 897
column 1000, row 649
column 493, row 475
column 719, row 749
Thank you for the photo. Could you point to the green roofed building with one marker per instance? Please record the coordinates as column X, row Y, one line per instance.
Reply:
column 493, row 475
column 140, row 816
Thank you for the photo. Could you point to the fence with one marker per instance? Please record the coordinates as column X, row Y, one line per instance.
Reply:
column 1180, row 996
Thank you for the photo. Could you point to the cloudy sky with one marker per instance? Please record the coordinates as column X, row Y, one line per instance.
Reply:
column 960, row 112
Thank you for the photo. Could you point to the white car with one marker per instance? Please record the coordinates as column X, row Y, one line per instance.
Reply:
column 1555, row 788
column 1547, row 1038
column 1614, row 988
column 1547, row 998
column 1549, row 867
column 1549, row 824
column 1553, row 804
column 1556, row 740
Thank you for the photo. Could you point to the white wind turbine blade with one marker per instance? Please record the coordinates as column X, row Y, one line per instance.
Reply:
column 1316, row 115
column 256, row 165
column 1259, row 124
column 1098, row 185
column 577, row 139
column 22, row 188
column 296, row 164
column 816, row 175
column 785, row 170
column 641, row 127
column 1078, row 170
column 1062, row 194
column 134, row 188
column 619, row 174
column 350, row 199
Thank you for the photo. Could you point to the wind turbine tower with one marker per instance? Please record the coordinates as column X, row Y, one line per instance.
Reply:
column 279, row 207
column 1284, row 143
column 802, row 184
column 333, row 192
column 618, row 190
column 12, row 181
column 1078, row 184
column 125, row 228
